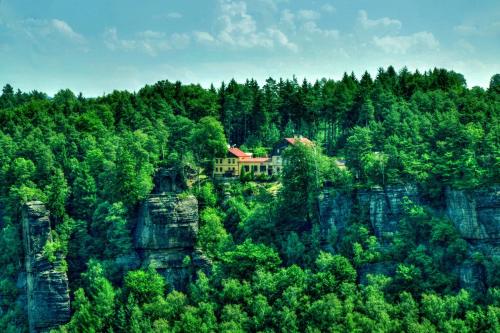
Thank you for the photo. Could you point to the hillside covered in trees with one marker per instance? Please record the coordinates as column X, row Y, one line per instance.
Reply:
column 271, row 261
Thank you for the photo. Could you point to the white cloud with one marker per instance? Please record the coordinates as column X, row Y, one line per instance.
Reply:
column 282, row 39
column 36, row 28
column 484, row 29
column 386, row 22
column 65, row 29
column 307, row 21
column 465, row 29
column 312, row 27
column 466, row 46
column 402, row 44
column 237, row 28
column 150, row 34
column 149, row 41
column 204, row 37
column 180, row 40
column 308, row 15
column 328, row 8
column 287, row 19
column 174, row 15
column 168, row 16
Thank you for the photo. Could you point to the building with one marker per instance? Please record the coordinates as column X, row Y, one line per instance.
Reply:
column 237, row 161
column 286, row 142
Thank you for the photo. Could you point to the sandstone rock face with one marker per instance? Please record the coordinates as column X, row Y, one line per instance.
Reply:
column 384, row 207
column 165, row 237
column 475, row 214
column 472, row 276
column 335, row 212
column 47, row 289
column 167, row 222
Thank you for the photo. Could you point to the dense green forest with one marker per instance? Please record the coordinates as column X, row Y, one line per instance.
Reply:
column 92, row 161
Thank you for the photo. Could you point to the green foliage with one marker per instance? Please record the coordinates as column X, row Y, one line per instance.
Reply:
column 92, row 162
column 144, row 285
column 212, row 237
column 206, row 195
column 110, row 232
column 247, row 257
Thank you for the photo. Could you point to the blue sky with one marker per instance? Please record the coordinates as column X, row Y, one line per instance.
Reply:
column 96, row 46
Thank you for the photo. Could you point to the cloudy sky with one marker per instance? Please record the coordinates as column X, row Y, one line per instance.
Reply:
column 95, row 46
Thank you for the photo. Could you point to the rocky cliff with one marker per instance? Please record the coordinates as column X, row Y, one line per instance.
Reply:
column 384, row 207
column 165, row 237
column 475, row 214
column 48, row 303
column 335, row 213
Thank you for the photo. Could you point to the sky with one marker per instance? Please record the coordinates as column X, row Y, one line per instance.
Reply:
column 97, row 46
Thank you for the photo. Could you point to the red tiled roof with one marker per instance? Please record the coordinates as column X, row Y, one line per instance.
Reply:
column 238, row 153
column 305, row 141
column 255, row 160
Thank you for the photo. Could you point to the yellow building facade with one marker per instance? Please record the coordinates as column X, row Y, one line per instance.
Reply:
column 237, row 161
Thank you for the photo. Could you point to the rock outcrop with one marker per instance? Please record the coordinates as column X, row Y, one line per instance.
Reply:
column 384, row 207
column 476, row 214
column 48, row 303
column 472, row 276
column 335, row 212
column 165, row 237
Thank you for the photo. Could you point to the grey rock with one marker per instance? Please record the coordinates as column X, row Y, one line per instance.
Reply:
column 475, row 214
column 335, row 212
column 472, row 276
column 128, row 262
column 165, row 237
column 47, row 289
column 384, row 207
column 167, row 221
column 461, row 209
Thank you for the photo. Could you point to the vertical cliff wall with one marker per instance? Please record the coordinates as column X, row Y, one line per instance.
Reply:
column 475, row 214
column 335, row 213
column 165, row 237
column 48, row 303
column 384, row 207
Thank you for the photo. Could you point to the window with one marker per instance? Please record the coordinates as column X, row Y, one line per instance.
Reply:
column 262, row 168
column 254, row 168
column 247, row 168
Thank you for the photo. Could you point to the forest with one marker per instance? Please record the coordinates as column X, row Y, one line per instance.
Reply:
column 93, row 161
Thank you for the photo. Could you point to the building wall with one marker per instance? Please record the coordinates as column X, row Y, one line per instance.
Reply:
column 226, row 165
column 232, row 166
column 257, row 167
